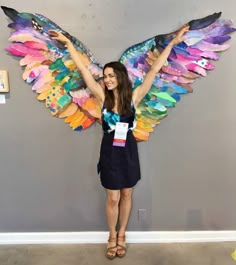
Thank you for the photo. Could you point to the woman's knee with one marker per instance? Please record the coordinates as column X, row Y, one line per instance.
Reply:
column 126, row 194
column 113, row 198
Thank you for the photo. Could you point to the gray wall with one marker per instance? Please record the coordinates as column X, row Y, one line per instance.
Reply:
column 48, row 179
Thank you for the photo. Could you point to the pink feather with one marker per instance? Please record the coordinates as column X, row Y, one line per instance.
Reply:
column 28, row 59
column 80, row 96
column 205, row 54
column 36, row 45
column 19, row 49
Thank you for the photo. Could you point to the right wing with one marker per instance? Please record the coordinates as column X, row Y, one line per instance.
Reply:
column 187, row 61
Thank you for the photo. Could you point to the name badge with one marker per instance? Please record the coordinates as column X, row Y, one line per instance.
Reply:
column 120, row 134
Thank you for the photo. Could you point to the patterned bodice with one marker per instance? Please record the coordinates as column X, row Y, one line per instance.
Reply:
column 110, row 118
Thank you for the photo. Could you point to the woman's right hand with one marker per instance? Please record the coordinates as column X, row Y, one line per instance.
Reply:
column 56, row 35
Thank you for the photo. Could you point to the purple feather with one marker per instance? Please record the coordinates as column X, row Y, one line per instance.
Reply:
column 206, row 46
column 218, row 39
column 140, row 60
column 16, row 26
column 220, row 31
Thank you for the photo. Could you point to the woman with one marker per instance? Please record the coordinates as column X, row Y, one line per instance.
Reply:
column 119, row 163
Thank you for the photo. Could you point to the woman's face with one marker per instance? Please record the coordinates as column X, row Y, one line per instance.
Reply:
column 110, row 78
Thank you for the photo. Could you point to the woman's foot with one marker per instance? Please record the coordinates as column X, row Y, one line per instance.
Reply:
column 121, row 245
column 111, row 247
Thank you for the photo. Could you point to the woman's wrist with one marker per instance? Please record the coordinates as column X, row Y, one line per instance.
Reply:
column 172, row 44
column 68, row 43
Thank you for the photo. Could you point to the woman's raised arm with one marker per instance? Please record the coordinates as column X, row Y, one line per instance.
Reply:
column 143, row 89
column 92, row 85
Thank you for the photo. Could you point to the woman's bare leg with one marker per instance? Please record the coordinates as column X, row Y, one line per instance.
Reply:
column 124, row 213
column 112, row 212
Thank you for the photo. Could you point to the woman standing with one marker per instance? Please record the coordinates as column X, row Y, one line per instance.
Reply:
column 119, row 162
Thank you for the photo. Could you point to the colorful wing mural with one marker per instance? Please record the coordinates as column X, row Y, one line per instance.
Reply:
column 53, row 75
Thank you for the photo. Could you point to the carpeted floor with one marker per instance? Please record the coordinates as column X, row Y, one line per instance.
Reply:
column 137, row 254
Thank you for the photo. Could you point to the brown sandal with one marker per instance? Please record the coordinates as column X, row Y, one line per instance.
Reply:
column 121, row 250
column 111, row 251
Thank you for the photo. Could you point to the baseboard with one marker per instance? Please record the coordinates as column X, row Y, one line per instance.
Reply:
column 101, row 237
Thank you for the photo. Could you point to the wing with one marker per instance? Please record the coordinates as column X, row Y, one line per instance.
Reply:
column 50, row 71
column 187, row 61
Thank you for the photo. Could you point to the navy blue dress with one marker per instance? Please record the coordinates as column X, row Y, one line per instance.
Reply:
column 118, row 166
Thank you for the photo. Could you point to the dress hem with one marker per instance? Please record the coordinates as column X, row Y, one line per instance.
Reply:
column 127, row 187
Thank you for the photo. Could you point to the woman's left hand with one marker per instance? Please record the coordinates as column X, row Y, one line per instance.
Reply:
column 179, row 36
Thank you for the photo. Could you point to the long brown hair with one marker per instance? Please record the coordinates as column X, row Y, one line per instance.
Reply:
column 124, row 89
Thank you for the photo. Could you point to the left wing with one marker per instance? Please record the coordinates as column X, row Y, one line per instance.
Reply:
column 50, row 71
column 187, row 61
